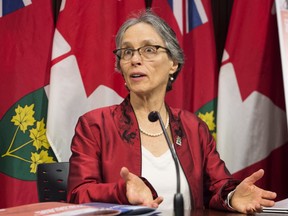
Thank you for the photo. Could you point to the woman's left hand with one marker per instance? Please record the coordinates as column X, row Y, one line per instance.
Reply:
column 248, row 198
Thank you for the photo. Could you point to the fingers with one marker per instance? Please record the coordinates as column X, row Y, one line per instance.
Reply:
column 159, row 200
column 267, row 203
column 268, row 198
column 155, row 203
column 254, row 209
column 124, row 172
column 255, row 176
column 268, row 194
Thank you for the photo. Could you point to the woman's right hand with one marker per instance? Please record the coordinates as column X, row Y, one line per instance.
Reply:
column 138, row 193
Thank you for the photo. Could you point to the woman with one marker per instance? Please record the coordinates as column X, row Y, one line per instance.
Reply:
column 121, row 139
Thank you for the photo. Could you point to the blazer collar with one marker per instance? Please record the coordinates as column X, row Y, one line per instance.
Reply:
column 128, row 125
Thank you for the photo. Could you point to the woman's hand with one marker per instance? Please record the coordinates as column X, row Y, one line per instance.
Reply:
column 248, row 198
column 137, row 191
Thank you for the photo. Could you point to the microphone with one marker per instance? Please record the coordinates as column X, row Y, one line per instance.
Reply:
column 178, row 198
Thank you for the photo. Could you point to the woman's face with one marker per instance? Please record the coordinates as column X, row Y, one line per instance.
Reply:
column 146, row 76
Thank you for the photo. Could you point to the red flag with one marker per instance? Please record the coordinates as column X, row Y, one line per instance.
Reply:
column 165, row 10
column 26, row 38
column 196, row 87
column 251, row 123
column 83, row 75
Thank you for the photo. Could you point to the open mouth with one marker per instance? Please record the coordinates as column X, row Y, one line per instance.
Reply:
column 137, row 75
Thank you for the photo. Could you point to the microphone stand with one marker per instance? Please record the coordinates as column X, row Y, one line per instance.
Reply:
column 178, row 197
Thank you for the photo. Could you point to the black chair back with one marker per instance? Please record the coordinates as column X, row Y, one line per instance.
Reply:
column 52, row 181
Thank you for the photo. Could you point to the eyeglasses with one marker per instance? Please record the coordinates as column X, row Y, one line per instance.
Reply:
column 148, row 52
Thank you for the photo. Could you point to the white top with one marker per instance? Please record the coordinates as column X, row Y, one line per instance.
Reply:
column 161, row 173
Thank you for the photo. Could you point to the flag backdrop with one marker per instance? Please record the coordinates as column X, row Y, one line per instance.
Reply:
column 26, row 38
column 201, row 67
column 83, row 75
column 83, row 78
column 251, row 122
column 196, row 87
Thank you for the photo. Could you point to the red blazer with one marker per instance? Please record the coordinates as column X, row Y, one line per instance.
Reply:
column 108, row 138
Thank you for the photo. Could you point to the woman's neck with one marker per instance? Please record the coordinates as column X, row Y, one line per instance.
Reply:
column 144, row 105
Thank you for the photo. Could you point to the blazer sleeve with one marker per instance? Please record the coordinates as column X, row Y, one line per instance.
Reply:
column 85, row 183
column 218, row 181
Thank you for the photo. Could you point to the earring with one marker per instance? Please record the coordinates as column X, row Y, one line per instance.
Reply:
column 126, row 87
column 171, row 78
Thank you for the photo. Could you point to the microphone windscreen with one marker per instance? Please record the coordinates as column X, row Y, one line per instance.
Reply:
column 153, row 117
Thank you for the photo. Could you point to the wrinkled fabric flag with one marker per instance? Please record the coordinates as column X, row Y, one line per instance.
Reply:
column 83, row 75
column 26, row 39
column 196, row 87
column 251, row 121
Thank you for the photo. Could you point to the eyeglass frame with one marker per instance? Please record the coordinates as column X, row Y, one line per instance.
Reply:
column 138, row 50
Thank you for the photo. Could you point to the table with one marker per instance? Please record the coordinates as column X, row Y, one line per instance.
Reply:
column 58, row 208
